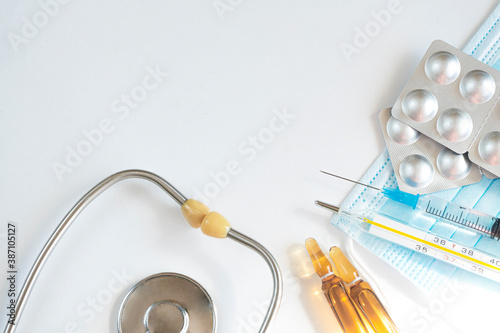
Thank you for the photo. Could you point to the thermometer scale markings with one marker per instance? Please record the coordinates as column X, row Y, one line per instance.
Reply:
column 443, row 250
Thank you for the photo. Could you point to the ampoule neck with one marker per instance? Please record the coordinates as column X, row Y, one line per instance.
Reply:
column 328, row 276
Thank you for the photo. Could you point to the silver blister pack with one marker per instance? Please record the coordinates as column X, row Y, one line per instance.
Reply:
column 485, row 150
column 422, row 165
column 452, row 99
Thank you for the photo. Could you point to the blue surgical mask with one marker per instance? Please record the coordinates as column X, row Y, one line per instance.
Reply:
column 485, row 44
column 424, row 271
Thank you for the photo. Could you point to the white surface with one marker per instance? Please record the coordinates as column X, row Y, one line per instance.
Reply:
column 227, row 73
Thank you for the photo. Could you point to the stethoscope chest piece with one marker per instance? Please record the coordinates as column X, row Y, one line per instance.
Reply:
column 167, row 303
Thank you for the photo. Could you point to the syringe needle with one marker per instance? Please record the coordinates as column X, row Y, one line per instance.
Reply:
column 349, row 180
column 433, row 207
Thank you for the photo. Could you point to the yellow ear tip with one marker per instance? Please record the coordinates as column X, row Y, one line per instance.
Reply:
column 215, row 225
column 194, row 212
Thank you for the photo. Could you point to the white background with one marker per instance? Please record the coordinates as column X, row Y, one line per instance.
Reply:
column 230, row 69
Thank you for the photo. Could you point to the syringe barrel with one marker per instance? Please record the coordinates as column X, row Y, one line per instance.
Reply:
column 447, row 211
column 458, row 215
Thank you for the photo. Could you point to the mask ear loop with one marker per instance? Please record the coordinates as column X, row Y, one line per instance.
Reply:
column 198, row 215
column 365, row 272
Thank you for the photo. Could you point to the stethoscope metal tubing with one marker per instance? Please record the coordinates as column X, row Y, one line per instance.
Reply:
column 272, row 310
column 179, row 198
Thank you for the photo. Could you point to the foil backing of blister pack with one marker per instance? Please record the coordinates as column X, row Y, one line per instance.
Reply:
column 452, row 99
column 485, row 150
column 422, row 165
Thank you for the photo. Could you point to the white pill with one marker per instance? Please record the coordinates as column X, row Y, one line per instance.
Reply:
column 453, row 166
column 401, row 133
column 416, row 171
column 420, row 105
column 477, row 87
column 454, row 125
column 489, row 148
column 442, row 67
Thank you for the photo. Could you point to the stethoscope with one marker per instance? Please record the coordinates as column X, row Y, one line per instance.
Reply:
column 137, row 305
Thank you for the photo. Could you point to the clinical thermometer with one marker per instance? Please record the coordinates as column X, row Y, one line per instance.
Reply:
column 423, row 241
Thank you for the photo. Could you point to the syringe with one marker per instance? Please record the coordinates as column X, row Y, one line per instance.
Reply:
column 423, row 241
column 441, row 209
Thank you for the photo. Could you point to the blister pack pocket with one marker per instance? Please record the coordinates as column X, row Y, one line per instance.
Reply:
column 452, row 99
column 422, row 165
